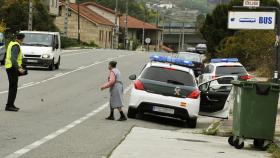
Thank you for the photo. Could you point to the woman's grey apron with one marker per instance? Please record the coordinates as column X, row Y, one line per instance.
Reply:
column 116, row 91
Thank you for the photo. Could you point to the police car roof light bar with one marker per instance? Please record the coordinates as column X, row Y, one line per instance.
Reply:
column 224, row 60
column 171, row 60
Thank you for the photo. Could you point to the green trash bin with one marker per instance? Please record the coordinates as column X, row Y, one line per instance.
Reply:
column 254, row 113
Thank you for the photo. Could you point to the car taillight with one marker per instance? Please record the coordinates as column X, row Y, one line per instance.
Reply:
column 247, row 77
column 194, row 94
column 138, row 85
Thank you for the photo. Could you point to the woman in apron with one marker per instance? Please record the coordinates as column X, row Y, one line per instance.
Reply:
column 116, row 91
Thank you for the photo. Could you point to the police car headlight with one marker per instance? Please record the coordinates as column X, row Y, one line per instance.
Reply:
column 46, row 56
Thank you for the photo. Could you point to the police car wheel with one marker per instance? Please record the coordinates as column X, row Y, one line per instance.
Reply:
column 191, row 122
column 132, row 112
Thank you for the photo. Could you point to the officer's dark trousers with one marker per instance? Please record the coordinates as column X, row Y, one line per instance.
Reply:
column 13, row 85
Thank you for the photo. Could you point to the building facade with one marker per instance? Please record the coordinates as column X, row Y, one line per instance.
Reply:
column 52, row 6
column 93, row 27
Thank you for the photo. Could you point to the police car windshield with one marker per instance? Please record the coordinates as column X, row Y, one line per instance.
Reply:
column 170, row 76
column 36, row 39
column 190, row 57
column 230, row 70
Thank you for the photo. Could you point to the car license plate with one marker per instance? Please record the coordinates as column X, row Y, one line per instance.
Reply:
column 32, row 61
column 163, row 110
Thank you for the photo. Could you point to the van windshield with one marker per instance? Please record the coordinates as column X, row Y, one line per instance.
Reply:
column 35, row 39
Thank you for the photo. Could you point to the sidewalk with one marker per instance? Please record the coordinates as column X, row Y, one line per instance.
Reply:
column 151, row 143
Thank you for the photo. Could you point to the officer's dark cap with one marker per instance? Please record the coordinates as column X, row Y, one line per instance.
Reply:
column 20, row 36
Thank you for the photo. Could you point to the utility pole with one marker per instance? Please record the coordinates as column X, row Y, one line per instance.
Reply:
column 116, row 29
column 126, row 25
column 157, row 24
column 66, row 17
column 183, row 38
column 143, row 32
column 30, row 19
column 163, row 28
column 79, row 29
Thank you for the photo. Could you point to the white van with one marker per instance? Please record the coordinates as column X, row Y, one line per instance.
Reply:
column 41, row 49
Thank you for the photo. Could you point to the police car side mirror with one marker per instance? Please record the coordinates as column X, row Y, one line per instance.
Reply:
column 132, row 77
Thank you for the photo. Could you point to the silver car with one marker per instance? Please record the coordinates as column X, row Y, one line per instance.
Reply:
column 2, row 48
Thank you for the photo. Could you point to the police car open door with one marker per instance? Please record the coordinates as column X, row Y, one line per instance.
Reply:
column 216, row 97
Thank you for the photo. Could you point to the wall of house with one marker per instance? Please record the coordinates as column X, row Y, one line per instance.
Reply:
column 103, row 13
column 90, row 32
column 52, row 6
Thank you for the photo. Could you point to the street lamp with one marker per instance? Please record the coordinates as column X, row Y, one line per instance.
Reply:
column 79, row 30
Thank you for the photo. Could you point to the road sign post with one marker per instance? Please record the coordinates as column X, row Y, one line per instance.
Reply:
column 148, row 41
column 270, row 20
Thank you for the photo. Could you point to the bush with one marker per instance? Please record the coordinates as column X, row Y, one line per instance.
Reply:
column 72, row 42
column 255, row 49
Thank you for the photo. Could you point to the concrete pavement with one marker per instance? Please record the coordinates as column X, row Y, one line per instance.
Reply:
column 151, row 143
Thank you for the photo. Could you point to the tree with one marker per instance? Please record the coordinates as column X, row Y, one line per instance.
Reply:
column 200, row 19
column 15, row 14
column 2, row 27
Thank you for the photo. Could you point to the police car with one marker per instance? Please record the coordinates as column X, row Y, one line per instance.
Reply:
column 167, row 87
column 224, row 67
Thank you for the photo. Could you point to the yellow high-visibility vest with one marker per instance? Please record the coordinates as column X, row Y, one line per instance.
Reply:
column 8, row 61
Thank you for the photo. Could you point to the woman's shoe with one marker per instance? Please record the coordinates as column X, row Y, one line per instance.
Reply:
column 122, row 119
column 110, row 118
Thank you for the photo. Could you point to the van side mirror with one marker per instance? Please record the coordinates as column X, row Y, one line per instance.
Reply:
column 56, row 46
column 132, row 77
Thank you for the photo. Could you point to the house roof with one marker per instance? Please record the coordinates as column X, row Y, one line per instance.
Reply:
column 134, row 23
column 99, row 6
column 89, row 14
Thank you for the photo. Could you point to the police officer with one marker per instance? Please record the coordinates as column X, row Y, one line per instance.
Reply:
column 13, row 65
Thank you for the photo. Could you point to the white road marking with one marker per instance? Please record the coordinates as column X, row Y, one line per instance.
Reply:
column 59, row 132
column 70, row 72
column 59, row 74
column 68, row 51
column 72, row 54
column 28, row 84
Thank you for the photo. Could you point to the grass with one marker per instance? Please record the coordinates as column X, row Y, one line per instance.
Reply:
column 212, row 129
column 274, row 150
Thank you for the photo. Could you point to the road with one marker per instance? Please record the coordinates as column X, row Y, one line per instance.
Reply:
column 62, row 112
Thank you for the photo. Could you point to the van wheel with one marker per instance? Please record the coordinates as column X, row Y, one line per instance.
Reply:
column 58, row 64
column 52, row 66
column 132, row 111
column 3, row 62
column 191, row 122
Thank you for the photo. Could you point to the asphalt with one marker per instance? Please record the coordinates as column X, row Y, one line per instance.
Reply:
column 62, row 112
